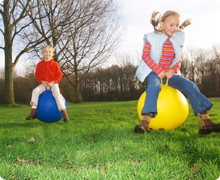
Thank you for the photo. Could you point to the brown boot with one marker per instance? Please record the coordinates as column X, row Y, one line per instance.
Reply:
column 206, row 126
column 65, row 116
column 144, row 126
column 33, row 114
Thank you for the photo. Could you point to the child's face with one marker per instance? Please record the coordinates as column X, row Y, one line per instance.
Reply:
column 170, row 25
column 48, row 54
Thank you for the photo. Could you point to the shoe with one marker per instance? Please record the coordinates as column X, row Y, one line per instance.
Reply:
column 33, row 114
column 206, row 126
column 144, row 126
column 65, row 116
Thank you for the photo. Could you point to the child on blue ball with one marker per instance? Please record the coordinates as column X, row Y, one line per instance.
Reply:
column 48, row 74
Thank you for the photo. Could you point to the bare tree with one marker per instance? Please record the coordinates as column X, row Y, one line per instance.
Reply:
column 54, row 16
column 86, row 39
column 14, row 14
column 93, row 38
column 29, row 23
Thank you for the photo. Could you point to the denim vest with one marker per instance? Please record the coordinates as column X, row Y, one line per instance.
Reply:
column 157, row 41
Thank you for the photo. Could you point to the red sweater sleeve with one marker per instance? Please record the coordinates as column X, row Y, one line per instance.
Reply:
column 39, row 74
column 177, row 66
column 58, row 74
column 150, row 62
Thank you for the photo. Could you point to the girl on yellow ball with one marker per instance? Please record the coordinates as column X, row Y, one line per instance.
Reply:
column 161, row 59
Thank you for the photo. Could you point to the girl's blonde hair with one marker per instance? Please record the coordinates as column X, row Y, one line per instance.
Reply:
column 50, row 47
column 155, row 21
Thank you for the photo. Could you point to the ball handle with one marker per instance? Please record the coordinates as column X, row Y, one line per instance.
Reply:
column 166, row 82
column 48, row 89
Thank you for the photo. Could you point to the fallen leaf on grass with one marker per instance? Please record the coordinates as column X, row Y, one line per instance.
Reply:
column 8, row 146
column 12, row 177
column 76, row 170
column 29, row 176
column 24, row 161
column 165, row 149
column 21, row 160
column 116, row 148
column 201, row 157
column 30, row 140
column 102, row 169
column 133, row 163
column 194, row 169
column 94, row 135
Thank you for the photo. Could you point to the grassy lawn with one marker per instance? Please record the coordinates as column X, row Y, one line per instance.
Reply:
column 99, row 143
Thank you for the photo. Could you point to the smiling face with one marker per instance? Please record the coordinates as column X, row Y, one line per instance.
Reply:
column 48, row 53
column 170, row 25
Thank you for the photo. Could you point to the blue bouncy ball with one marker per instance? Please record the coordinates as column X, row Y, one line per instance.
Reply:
column 47, row 110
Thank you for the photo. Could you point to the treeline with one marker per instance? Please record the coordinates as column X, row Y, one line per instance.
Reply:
column 119, row 83
column 108, row 84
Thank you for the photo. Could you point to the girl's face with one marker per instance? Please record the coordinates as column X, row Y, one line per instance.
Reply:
column 48, row 54
column 170, row 25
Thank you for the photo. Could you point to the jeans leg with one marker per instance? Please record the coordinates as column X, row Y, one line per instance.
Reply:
column 153, row 89
column 197, row 100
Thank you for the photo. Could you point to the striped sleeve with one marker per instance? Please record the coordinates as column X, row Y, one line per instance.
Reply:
column 177, row 66
column 150, row 62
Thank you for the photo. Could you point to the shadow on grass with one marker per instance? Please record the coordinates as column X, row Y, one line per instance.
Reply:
column 28, row 123
column 194, row 147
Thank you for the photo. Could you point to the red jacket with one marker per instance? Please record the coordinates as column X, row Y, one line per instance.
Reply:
column 48, row 71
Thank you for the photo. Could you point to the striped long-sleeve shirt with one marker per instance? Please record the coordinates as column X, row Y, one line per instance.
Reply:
column 166, row 58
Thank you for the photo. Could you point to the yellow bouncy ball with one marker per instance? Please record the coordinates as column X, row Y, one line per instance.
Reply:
column 172, row 109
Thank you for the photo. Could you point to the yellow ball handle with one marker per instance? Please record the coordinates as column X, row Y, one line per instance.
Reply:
column 166, row 82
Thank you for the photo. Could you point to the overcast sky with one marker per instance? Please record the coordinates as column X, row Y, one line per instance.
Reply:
column 202, row 33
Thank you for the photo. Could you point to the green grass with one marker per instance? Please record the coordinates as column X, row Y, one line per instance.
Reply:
column 99, row 143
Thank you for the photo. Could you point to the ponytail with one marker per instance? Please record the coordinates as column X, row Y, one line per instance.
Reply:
column 155, row 21
column 184, row 24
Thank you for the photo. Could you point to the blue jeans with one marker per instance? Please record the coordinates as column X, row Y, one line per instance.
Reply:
column 198, row 101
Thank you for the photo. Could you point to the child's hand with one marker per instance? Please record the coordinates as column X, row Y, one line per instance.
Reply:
column 162, row 75
column 170, row 73
column 44, row 83
column 51, row 84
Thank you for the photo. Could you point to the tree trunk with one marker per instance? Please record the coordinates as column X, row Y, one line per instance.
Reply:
column 76, row 88
column 9, row 69
column 9, row 66
column 77, row 94
column 9, row 88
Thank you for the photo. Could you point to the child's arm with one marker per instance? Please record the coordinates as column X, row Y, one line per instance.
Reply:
column 174, row 69
column 58, row 75
column 177, row 66
column 150, row 62
column 39, row 74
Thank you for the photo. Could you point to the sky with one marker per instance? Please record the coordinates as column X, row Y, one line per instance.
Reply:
column 202, row 33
